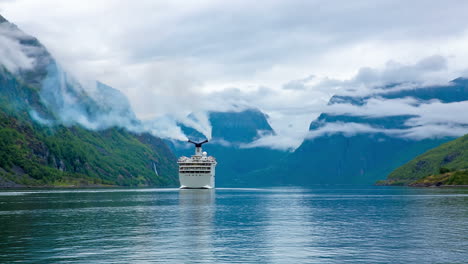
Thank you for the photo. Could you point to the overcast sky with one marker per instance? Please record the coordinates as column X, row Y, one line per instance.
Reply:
column 285, row 57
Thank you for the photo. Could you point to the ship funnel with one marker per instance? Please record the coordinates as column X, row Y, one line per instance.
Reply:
column 198, row 146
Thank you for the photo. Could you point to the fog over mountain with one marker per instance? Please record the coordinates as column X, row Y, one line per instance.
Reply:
column 173, row 60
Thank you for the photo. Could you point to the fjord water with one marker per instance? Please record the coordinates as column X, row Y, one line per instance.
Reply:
column 288, row 225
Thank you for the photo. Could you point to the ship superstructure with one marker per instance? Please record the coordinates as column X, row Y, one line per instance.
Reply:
column 198, row 171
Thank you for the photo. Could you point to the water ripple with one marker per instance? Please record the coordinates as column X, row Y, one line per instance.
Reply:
column 279, row 225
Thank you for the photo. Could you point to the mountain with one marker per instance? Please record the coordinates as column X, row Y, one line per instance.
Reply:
column 231, row 133
column 359, row 157
column 54, row 132
column 446, row 159
column 239, row 127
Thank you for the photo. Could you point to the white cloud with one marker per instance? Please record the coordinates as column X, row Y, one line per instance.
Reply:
column 13, row 55
column 432, row 111
column 441, row 113
column 432, row 119
column 165, row 127
column 234, row 41
column 348, row 129
column 416, row 133
column 285, row 143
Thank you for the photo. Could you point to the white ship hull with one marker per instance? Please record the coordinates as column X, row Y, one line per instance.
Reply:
column 196, row 181
column 198, row 171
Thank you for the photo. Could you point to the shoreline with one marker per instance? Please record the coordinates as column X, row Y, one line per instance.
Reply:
column 23, row 187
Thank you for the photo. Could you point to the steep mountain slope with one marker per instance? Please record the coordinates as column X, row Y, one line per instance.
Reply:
column 359, row 157
column 42, row 138
column 451, row 156
column 231, row 132
column 35, row 154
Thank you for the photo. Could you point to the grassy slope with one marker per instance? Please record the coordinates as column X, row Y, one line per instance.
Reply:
column 450, row 178
column 452, row 155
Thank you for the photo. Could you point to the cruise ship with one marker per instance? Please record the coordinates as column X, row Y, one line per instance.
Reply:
column 198, row 171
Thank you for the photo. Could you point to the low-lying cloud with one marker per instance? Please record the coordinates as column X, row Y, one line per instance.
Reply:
column 429, row 131
column 13, row 55
column 429, row 119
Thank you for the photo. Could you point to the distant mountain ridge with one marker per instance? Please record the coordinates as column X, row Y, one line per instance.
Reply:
column 359, row 157
column 239, row 127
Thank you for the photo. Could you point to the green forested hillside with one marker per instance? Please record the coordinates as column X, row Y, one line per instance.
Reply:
column 446, row 163
column 34, row 154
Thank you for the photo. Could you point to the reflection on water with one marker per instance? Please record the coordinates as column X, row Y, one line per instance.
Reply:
column 292, row 225
column 196, row 215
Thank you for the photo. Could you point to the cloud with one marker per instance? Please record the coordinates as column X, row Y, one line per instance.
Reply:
column 395, row 72
column 430, row 119
column 415, row 133
column 285, row 143
column 427, row 111
column 348, row 129
column 438, row 113
column 300, row 84
column 393, row 76
column 435, row 131
column 165, row 127
column 13, row 55
column 234, row 41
